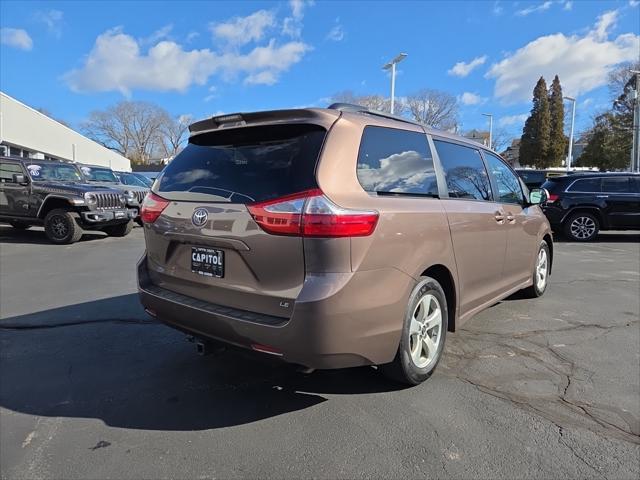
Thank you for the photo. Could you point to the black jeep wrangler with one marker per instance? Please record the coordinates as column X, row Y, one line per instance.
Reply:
column 53, row 194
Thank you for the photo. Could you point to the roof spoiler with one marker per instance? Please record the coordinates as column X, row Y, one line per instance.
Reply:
column 271, row 116
column 351, row 107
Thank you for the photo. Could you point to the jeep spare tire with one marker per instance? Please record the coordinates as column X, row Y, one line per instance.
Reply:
column 61, row 226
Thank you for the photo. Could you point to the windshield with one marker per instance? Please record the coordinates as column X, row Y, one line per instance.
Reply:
column 146, row 180
column 244, row 165
column 99, row 174
column 131, row 179
column 59, row 172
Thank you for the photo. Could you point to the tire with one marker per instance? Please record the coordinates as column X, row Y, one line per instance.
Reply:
column 138, row 220
column 120, row 230
column 541, row 270
column 19, row 225
column 581, row 227
column 411, row 366
column 62, row 226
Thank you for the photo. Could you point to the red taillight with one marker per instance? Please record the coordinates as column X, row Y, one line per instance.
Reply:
column 552, row 198
column 152, row 207
column 312, row 214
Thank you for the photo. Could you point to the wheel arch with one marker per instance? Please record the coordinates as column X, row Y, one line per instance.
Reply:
column 51, row 203
column 587, row 209
column 445, row 278
column 549, row 239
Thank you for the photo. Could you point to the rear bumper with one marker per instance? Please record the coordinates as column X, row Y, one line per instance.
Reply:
column 339, row 319
column 104, row 216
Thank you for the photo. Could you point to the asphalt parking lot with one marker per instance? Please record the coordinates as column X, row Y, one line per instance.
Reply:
column 93, row 388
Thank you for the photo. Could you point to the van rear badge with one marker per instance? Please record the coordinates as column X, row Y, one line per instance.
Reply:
column 284, row 304
column 199, row 217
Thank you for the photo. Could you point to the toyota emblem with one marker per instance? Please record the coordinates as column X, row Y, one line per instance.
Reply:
column 199, row 217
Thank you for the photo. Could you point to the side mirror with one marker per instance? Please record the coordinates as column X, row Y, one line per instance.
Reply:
column 538, row 196
column 20, row 178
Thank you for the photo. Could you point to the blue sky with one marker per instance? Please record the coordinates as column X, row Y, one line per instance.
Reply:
column 201, row 58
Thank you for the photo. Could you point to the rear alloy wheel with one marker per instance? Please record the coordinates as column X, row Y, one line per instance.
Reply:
column 120, row 230
column 582, row 227
column 540, row 273
column 62, row 226
column 19, row 225
column 423, row 335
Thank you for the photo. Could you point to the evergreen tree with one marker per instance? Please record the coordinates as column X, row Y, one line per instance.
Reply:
column 534, row 143
column 557, row 140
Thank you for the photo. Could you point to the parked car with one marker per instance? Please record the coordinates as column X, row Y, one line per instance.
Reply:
column 532, row 178
column 581, row 205
column 100, row 175
column 149, row 175
column 147, row 180
column 337, row 237
column 53, row 194
column 130, row 178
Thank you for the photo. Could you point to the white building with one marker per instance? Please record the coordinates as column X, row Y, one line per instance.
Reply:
column 25, row 132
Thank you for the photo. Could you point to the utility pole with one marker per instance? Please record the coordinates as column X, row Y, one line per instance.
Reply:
column 392, row 65
column 635, row 148
column 490, row 128
column 569, row 160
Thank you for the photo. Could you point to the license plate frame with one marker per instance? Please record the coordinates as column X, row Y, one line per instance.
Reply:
column 207, row 262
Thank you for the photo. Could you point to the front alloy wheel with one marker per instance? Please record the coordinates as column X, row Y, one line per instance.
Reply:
column 62, row 226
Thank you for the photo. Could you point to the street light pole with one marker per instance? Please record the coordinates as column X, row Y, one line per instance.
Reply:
column 392, row 65
column 635, row 148
column 490, row 128
column 573, row 120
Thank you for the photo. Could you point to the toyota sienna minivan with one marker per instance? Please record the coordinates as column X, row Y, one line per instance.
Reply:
column 337, row 237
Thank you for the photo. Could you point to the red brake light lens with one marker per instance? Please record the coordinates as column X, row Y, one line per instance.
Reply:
column 552, row 197
column 312, row 214
column 152, row 207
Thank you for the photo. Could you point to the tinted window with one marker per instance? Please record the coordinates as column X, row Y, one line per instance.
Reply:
column 398, row 161
column 616, row 185
column 591, row 185
column 464, row 171
column 130, row 179
column 509, row 190
column 532, row 176
column 243, row 165
column 8, row 170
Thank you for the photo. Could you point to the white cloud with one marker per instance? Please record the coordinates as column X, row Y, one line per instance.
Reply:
column 462, row 69
column 468, row 98
column 117, row 63
column 497, row 8
column 191, row 36
column 535, row 8
column 16, row 37
column 292, row 25
column 160, row 34
column 336, row 34
column 513, row 120
column 52, row 19
column 568, row 6
column 241, row 30
column 634, row 3
column 581, row 62
column 586, row 102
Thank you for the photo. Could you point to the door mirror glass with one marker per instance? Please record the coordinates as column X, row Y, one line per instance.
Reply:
column 19, row 178
column 538, row 196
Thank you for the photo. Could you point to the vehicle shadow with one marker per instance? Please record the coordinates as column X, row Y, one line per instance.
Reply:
column 603, row 237
column 107, row 360
column 36, row 236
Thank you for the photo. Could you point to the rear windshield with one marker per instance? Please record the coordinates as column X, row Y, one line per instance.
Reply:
column 532, row 177
column 550, row 185
column 244, row 165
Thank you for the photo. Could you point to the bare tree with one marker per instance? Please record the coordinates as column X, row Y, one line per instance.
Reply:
column 500, row 139
column 131, row 128
column 173, row 134
column 435, row 108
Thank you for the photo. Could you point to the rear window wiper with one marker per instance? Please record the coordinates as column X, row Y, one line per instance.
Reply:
column 407, row 194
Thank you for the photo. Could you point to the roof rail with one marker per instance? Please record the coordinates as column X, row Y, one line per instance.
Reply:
column 350, row 107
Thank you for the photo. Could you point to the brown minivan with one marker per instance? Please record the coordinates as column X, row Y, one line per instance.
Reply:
column 337, row 237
